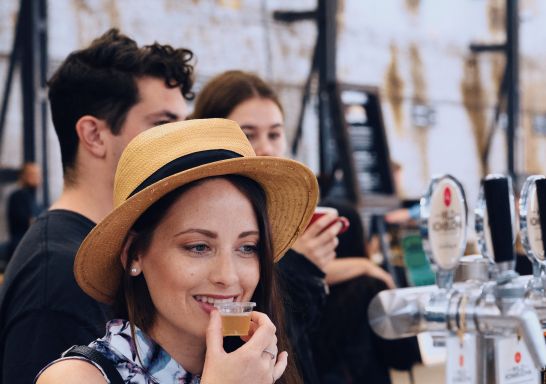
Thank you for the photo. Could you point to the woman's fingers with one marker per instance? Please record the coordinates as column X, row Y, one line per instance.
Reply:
column 214, row 336
column 262, row 334
column 321, row 224
column 270, row 352
column 327, row 236
column 257, row 361
column 387, row 279
column 380, row 273
column 280, row 365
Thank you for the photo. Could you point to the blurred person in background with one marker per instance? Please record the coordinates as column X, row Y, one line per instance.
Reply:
column 22, row 208
column 253, row 104
column 101, row 97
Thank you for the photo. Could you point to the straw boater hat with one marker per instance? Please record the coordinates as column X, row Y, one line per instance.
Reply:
column 169, row 156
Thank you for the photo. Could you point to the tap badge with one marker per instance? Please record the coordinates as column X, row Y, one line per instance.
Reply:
column 448, row 219
column 531, row 231
column 445, row 221
column 447, row 196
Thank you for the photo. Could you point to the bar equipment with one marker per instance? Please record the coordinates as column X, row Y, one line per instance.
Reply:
column 508, row 359
column 493, row 313
column 532, row 216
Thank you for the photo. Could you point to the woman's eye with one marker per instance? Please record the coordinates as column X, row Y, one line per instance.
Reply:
column 249, row 136
column 249, row 249
column 274, row 136
column 197, row 248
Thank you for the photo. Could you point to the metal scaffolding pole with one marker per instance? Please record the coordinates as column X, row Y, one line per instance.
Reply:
column 29, row 51
column 509, row 92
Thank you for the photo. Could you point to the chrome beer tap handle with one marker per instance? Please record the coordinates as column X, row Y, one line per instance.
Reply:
column 398, row 313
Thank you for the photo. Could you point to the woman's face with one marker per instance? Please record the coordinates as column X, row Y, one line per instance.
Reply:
column 262, row 122
column 203, row 251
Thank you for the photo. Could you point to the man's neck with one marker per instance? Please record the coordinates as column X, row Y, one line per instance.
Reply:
column 93, row 201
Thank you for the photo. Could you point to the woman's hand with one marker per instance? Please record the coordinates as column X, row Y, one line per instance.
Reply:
column 256, row 361
column 347, row 268
column 318, row 243
column 379, row 273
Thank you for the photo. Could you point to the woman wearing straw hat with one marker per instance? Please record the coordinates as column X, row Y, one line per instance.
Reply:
column 199, row 219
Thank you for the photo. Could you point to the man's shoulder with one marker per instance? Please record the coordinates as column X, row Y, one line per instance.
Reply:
column 63, row 217
column 54, row 232
column 45, row 255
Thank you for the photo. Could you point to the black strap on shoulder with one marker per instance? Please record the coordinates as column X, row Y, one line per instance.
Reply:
column 98, row 358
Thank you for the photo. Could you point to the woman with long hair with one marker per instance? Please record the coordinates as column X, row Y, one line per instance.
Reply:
column 199, row 221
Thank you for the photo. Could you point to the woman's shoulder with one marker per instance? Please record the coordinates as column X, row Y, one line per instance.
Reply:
column 71, row 370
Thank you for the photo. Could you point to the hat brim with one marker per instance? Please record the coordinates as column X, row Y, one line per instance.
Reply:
column 291, row 191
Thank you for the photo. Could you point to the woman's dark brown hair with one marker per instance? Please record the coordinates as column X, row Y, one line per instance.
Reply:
column 133, row 300
column 223, row 93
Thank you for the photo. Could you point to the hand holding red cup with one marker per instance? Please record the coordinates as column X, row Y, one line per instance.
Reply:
column 321, row 211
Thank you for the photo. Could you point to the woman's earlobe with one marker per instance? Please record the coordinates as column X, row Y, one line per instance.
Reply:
column 124, row 256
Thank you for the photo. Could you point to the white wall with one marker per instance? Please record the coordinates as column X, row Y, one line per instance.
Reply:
column 411, row 49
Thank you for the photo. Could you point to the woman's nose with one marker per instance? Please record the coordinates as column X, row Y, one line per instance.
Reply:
column 263, row 147
column 224, row 272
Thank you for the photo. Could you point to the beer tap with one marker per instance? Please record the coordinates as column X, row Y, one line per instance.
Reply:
column 532, row 210
column 495, row 308
column 502, row 310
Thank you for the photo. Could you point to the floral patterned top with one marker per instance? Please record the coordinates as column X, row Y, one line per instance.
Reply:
column 157, row 365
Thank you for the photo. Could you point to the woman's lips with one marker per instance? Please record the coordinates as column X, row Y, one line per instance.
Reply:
column 208, row 307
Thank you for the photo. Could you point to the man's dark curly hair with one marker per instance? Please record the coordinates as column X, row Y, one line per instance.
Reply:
column 100, row 80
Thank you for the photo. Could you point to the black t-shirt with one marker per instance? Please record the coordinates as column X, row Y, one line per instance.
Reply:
column 304, row 293
column 43, row 311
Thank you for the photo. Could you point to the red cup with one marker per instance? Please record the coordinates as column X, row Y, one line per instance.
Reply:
column 321, row 211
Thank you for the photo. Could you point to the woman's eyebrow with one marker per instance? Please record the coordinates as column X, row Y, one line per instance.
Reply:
column 248, row 233
column 198, row 230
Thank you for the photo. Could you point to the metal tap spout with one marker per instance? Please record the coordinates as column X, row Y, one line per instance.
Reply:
column 522, row 318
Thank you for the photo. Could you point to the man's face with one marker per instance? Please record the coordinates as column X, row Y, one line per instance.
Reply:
column 157, row 105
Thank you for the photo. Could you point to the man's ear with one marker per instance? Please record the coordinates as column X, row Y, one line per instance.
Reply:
column 90, row 133
column 125, row 253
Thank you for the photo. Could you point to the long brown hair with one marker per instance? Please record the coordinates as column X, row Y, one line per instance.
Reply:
column 133, row 300
column 223, row 93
